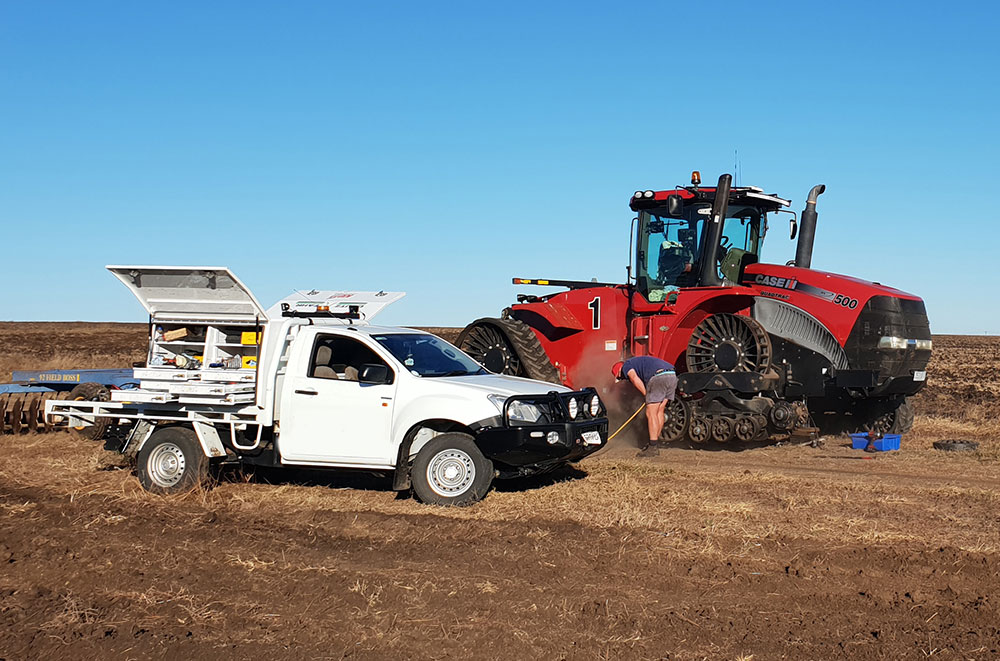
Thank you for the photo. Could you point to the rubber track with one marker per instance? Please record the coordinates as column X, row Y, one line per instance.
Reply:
column 534, row 360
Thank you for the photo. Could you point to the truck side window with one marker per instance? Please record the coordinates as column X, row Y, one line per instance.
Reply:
column 341, row 358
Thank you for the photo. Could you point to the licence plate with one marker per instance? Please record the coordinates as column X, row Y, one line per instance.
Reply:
column 591, row 438
column 920, row 375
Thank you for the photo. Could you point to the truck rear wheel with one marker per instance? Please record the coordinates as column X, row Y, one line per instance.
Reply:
column 450, row 470
column 172, row 461
column 91, row 392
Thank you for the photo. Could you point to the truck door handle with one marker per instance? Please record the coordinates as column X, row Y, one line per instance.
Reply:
column 306, row 392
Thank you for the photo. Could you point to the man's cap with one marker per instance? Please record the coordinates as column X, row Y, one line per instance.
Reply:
column 616, row 369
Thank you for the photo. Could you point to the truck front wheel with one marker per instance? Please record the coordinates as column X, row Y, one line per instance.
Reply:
column 172, row 461
column 450, row 470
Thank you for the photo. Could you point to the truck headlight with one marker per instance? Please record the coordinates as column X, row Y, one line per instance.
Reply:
column 574, row 408
column 595, row 406
column 518, row 411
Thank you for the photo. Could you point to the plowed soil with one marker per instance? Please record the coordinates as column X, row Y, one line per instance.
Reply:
column 781, row 552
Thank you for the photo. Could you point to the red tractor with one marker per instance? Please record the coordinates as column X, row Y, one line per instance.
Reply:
column 760, row 349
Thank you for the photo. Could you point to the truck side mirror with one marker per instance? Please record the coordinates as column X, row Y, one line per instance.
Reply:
column 373, row 373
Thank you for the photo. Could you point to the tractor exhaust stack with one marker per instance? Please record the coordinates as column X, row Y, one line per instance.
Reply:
column 807, row 229
column 709, row 276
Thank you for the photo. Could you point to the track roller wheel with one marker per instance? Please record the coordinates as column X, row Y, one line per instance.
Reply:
column 698, row 428
column 675, row 420
column 728, row 343
column 507, row 346
column 746, row 428
column 760, row 420
column 722, row 429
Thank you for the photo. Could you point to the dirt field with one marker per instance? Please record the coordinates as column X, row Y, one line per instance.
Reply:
column 787, row 552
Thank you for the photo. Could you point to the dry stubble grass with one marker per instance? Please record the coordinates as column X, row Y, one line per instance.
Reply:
column 684, row 511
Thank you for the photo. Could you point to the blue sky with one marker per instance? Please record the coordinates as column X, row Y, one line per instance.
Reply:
column 442, row 148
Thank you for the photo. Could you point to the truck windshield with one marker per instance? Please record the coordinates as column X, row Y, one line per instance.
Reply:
column 427, row 355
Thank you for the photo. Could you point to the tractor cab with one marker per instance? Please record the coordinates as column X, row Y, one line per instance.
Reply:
column 677, row 245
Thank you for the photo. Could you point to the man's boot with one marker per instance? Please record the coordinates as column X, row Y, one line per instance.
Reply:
column 651, row 449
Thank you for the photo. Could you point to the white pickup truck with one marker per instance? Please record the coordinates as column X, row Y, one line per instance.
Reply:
column 310, row 383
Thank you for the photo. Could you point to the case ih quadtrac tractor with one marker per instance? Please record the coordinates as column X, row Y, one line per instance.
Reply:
column 760, row 349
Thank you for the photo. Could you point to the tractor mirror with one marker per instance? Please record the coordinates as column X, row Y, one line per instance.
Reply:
column 675, row 206
column 793, row 228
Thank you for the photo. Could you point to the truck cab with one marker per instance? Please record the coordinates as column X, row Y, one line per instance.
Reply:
column 309, row 382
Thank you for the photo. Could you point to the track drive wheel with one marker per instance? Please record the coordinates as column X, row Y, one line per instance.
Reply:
column 728, row 343
column 507, row 346
column 91, row 392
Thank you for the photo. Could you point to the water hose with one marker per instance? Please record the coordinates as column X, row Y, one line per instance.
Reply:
column 625, row 424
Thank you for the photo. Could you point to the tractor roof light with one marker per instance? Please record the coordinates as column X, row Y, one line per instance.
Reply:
column 648, row 194
column 695, row 178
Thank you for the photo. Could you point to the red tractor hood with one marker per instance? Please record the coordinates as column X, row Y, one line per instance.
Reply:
column 833, row 299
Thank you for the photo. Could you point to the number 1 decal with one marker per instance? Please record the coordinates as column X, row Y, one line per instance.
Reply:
column 595, row 305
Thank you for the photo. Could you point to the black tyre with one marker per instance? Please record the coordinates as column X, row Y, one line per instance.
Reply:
column 956, row 446
column 172, row 461
column 893, row 418
column 91, row 392
column 450, row 470
column 902, row 418
column 507, row 346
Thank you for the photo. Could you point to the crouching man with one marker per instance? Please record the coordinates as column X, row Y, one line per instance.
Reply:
column 656, row 380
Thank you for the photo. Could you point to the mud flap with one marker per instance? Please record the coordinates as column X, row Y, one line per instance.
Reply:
column 208, row 436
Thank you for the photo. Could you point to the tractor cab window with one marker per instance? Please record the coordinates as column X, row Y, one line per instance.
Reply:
column 740, row 242
column 671, row 250
column 668, row 250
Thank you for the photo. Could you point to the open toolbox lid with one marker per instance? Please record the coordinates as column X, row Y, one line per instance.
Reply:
column 314, row 302
column 190, row 292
